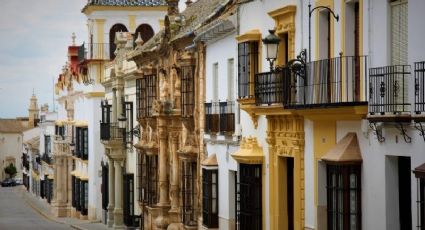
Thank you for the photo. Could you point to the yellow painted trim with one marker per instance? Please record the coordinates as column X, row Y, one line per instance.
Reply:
column 285, row 136
column 84, row 177
column 81, row 124
column 161, row 23
column 330, row 4
column 60, row 122
column 100, row 28
column 90, row 9
column 50, row 177
column 340, row 113
column 250, row 152
column 252, row 35
column 94, row 94
column 132, row 22
column 285, row 23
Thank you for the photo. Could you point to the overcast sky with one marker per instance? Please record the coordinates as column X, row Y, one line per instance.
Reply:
column 34, row 36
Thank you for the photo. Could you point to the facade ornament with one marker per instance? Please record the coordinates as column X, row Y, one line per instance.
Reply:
column 164, row 89
column 139, row 41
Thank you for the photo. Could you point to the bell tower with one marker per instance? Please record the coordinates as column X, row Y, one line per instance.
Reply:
column 33, row 112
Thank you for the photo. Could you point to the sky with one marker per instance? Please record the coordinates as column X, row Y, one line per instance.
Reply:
column 34, row 37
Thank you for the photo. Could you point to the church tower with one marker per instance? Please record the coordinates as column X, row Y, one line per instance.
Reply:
column 33, row 112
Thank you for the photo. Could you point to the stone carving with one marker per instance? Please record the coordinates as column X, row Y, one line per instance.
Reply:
column 164, row 89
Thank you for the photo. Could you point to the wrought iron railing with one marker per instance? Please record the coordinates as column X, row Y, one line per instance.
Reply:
column 388, row 89
column 227, row 117
column 93, row 51
column 212, row 118
column 111, row 131
column 336, row 81
column 419, row 87
column 46, row 158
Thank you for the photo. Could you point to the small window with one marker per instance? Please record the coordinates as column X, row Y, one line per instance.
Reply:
column 189, row 214
column 215, row 82
column 188, row 91
column 149, row 188
column 210, row 198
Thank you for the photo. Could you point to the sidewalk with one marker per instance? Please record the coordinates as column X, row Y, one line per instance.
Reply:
column 44, row 209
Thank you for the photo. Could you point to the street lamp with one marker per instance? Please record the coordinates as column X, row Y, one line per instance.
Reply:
column 310, row 12
column 122, row 122
column 272, row 46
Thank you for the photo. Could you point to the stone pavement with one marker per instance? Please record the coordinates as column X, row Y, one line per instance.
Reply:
column 44, row 209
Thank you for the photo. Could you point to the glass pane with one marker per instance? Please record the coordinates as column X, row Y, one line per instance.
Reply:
column 353, row 180
column 214, row 206
column 214, row 191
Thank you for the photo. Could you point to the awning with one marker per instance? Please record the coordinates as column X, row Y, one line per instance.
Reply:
column 346, row 151
column 210, row 162
column 250, row 152
column 420, row 171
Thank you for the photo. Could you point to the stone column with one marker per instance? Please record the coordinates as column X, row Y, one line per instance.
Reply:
column 111, row 189
column 175, row 168
column 69, row 186
column 119, row 101
column 164, row 199
column 118, row 212
column 114, row 105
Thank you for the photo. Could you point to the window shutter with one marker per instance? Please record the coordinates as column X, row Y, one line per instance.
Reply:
column 399, row 15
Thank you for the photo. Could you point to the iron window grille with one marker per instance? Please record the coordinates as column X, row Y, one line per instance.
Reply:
column 388, row 89
column 210, row 198
column 60, row 131
column 419, row 87
column 147, row 94
column 128, row 108
column 42, row 189
column 129, row 217
column 49, row 194
column 344, row 197
column 269, row 87
column 189, row 212
column 248, row 197
column 84, row 197
column 247, row 67
column 227, row 117
column 149, row 181
column 187, row 91
column 212, row 118
column 105, row 186
column 77, row 194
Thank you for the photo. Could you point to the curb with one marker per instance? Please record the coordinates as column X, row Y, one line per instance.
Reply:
column 77, row 227
column 40, row 212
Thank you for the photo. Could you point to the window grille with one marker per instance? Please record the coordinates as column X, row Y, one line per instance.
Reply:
column 189, row 213
column 129, row 218
column 150, row 180
column 212, row 118
column 247, row 67
column 188, row 91
column 128, row 108
column 77, row 194
column 227, row 117
column 105, row 186
column 210, row 198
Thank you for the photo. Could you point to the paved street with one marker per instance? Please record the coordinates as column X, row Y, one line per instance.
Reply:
column 15, row 213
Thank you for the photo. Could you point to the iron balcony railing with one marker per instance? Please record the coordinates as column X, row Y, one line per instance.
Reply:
column 46, row 158
column 111, row 131
column 336, row 81
column 227, row 117
column 388, row 89
column 419, row 87
column 94, row 51
column 212, row 118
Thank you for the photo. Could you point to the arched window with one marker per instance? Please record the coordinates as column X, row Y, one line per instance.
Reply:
column 146, row 32
column 115, row 28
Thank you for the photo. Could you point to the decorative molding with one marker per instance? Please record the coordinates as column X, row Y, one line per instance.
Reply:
column 252, row 35
column 250, row 152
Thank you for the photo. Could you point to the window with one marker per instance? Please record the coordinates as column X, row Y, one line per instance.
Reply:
column 47, row 145
column 128, row 108
column 344, row 197
column 77, row 194
column 145, row 95
column 227, row 118
column 247, row 67
column 106, row 112
column 399, row 32
column 230, row 79
column 60, row 130
column 189, row 195
column 248, row 197
column 84, row 197
column 212, row 118
column 210, row 198
column 146, row 32
column 149, row 180
column 82, row 143
column 215, row 82
column 188, row 91
column 129, row 200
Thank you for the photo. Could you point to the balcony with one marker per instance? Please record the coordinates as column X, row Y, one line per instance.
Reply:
column 111, row 131
column 212, row 118
column 220, row 118
column 93, row 51
column 388, row 91
column 420, row 88
column 46, row 158
column 331, row 82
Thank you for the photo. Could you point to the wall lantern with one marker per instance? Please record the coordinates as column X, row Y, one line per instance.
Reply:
column 272, row 45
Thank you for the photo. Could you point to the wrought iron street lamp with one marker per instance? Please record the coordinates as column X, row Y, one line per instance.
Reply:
column 272, row 46
column 310, row 12
column 122, row 122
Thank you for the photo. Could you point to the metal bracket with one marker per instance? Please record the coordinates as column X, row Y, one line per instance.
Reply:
column 420, row 128
column 378, row 132
column 402, row 129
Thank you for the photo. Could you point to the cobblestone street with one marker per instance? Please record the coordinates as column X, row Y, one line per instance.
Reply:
column 16, row 213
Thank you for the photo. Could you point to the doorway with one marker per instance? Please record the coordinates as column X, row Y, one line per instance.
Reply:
column 286, row 193
column 405, row 193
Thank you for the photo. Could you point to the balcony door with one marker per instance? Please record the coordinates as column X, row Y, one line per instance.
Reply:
column 352, row 49
column 324, row 43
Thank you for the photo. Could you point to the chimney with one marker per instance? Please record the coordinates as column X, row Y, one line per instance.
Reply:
column 173, row 7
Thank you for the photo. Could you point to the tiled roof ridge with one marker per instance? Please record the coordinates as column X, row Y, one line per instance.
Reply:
column 126, row 3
